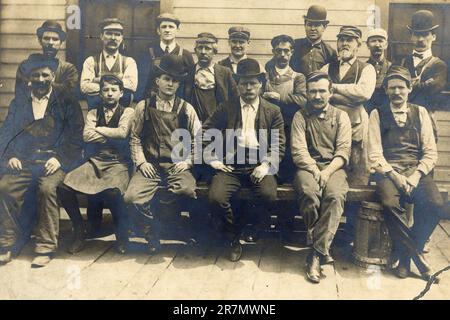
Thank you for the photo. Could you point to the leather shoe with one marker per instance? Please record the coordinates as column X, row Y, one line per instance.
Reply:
column 5, row 257
column 313, row 268
column 121, row 247
column 78, row 242
column 252, row 236
column 153, row 246
column 402, row 272
column 41, row 260
column 235, row 251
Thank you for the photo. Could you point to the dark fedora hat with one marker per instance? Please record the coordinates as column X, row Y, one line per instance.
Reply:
column 37, row 61
column 172, row 65
column 53, row 26
column 249, row 68
column 422, row 21
column 316, row 13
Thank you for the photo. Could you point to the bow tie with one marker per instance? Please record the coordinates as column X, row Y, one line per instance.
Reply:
column 317, row 46
column 418, row 55
column 110, row 56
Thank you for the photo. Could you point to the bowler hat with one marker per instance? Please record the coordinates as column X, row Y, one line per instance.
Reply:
column 37, row 61
column 111, row 24
column 239, row 33
column 249, row 68
column 317, row 13
column 398, row 72
column 51, row 25
column 421, row 21
column 167, row 17
column 172, row 65
column 350, row 31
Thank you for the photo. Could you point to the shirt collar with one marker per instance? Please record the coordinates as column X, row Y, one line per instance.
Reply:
column 254, row 105
column 171, row 46
column 210, row 68
column 159, row 100
column 349, row 62
column 312, row 44
column 373, row 61
column 426, row 54
column 235, row 61
column 106, row 54
column 46, row 97
column 402, row 109
column 105, row 109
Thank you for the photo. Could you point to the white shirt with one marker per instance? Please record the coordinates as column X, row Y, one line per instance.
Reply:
column 426, row 54
column 248, row 138
column 234, row 62
column 39, row 105
column 281, row 72
column 171, row 46
column 164, row 105
column 345, row 66
column 400, row 114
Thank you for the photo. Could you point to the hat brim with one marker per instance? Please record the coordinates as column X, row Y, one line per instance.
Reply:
column 316, row 20
column 410, row 28
column 352, row 35
column 178, row 76
column 261, row 76
column 62, row 34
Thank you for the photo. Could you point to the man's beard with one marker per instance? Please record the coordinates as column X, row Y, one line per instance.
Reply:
column 50, row 52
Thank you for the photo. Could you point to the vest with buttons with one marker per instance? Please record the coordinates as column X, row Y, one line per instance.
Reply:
column 101, row 69
column 353, row 74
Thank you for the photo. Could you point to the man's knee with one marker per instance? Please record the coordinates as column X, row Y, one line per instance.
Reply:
column 269, row 193
column 48, row 189
column 129, row 198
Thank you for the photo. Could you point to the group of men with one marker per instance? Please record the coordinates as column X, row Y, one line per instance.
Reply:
column 305, row 120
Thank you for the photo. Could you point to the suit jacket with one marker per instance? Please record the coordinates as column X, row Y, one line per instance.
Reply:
column 59, row 133
column 299, row 61
column 226, row 63
column 427, row 94
column 226, row 88
column 229, row 116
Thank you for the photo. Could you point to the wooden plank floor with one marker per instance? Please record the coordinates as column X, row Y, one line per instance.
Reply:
column 267, row 270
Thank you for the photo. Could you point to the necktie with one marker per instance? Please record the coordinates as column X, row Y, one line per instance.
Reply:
column 167, row 50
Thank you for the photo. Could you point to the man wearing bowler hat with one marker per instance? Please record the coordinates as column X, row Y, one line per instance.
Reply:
column 109, row 62
column 153, row 151
column 51, row 36
column 428, row 72
column 239, row 41
column 353, row 85
column 403, row 153
column 256, row 127
column 312, row 53
column 377, row 42
column 167, row 27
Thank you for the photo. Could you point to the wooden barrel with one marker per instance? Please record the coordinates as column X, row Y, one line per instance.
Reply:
column 372, row 244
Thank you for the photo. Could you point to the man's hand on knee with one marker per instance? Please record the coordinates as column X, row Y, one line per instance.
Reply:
column 260, row 172
column 15, row 164
column 51, row 166
column 148, row 170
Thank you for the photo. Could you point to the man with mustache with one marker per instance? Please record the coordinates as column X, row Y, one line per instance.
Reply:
column 109, row 61
column 403, row 153
column 258, row 131
column 239, row 41
column 312, row 53
column 353, row 85
column 42, row 139
column 51, row 36
column 167, row 27
column 377, row 42
column 321, row 142
column 428, row 72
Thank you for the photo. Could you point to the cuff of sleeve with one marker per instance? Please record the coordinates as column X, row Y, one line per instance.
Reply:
column 423, row 169
column 342, row 155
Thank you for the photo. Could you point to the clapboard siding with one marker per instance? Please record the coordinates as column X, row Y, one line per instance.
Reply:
column 442, row 172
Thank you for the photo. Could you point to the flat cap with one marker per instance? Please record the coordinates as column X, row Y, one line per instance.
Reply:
column 239, row 33
column 398, row 72
column 206, row 37
column 111, row 24
column 317, row 75
column 167, row 17
column 377, row 33
column 37, row 61
column 350, row 31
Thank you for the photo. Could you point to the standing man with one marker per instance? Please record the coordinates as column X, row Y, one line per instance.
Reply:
column 208, row 83
column 321, row 142
column 377, row 42
column 428, row 73
column 287, row 89
column 239, row 41
column 312, row 53
column 259, row 130
column 167, row 27
column 105, row 174
column 403, row 153
column 109, row 62
column 42, row 135
column 152, row 146
column 353, row 85
column 51, row 36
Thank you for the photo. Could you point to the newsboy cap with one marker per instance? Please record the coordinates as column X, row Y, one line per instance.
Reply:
column 350, row 31
column 398, row 72
column 111, row 24
column 51, row 25
column 422, row 21
column 167, row 17
column 316, row 76
column 378, row 32
column 206, row 37
column 239, row 33
column 37, row 61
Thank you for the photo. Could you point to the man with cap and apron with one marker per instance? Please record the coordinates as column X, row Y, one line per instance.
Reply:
column 312, row 53
column 353, row 83
column 239, row 41
column 377, row 42
column 153, row 152
column 109, row 61
column 41, row 140
column 403, row 153
column 105, row 174
column 167, row 27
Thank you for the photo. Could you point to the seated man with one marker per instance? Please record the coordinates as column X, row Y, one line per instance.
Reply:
column 321, row 143
column 403, row 153
column 152, row 149
column 41, row 140
column 258, row 127
column 105, row 175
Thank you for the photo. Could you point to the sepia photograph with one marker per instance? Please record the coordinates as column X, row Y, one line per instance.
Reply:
column 243, row 152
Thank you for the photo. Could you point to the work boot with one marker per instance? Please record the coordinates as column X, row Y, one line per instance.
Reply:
column 235, row 251
column 5, row 257
column 79, row 236
column 313, row 268
column 153, row 246
column 121, row 247
column 41, row 260
column 403, row 269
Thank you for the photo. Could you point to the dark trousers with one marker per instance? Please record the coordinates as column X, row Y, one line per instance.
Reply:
column 111, row 198
column 321, row 209
column 428, row 207
column 224, row 186
column 14, row 223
